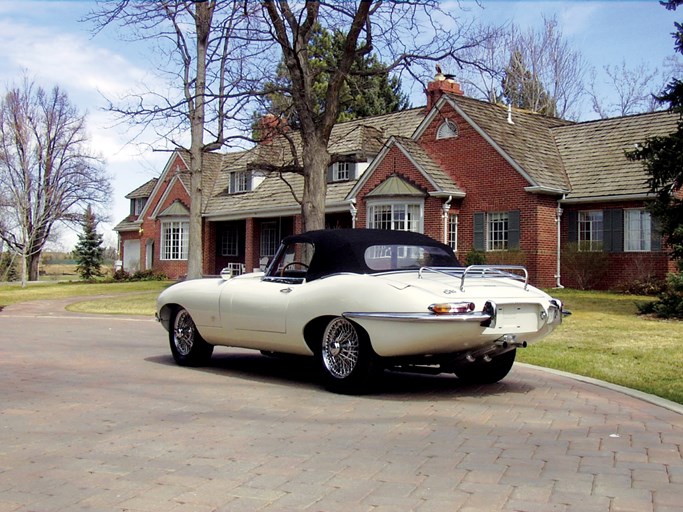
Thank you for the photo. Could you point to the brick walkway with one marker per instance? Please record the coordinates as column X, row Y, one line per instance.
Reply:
column 95, row 416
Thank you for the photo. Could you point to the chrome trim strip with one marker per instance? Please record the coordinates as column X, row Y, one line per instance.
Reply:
column 473, row 316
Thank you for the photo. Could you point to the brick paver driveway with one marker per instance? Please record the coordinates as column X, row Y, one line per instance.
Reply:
column 95, row 416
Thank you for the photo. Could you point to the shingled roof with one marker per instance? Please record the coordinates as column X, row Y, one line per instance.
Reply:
column 586, row 161
column 594, row 154
column 361, row 139
column 143, row 191
column 525, row 138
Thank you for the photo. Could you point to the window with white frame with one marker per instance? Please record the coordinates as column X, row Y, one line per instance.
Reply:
column 447, row 130
column 497, row 231
column 138, row 205
column 341, row 171
column 230, row 242
column 398, row 216
column 270, row 238
column 591, row 230
column 637, row 230
column 240, row 181
column 175, row 238
column 453, row 231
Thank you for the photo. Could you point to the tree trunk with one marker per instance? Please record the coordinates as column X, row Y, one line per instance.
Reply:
column 195, row 249
column 203, row 15
column 32, row 262
column 316, row 160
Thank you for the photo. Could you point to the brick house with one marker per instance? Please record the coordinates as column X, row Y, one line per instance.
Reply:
column 512, row 185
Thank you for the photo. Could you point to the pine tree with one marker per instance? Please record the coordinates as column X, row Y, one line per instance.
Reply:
column 368, row 90
column 523, row 88
column 8, row 267
column 663, row 160
column 89, row 251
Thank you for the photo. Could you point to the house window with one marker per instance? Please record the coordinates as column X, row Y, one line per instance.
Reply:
column 396, row 216
column 496, row 231
column 240, row 181
column 138, row 204
column 590, row 230
column 453, row 231
column 340, row 171
column 270, row 239
column 229, row 242
column 637, row 230
column 175, row 238
column 447, row 130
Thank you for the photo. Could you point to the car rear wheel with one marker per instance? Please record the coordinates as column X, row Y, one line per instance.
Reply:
column 487, row 373
column 187, row 345
column 346, row 359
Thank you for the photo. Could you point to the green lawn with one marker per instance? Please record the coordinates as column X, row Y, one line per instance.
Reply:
column 606, row 340
column 14, row 293
column 603, row 338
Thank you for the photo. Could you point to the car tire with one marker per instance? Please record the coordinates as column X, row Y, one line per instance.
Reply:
column 488, row 373
column 187, row 345
column 347, row 362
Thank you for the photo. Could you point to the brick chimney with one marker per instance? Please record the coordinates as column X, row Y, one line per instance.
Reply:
column 442, row 84
column 270, row 126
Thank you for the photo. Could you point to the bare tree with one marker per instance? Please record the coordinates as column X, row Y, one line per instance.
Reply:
column 549, row 71
column 634, row 90
column 47, row 172
column 222, row 53
column 409, row 36
column 210, row 57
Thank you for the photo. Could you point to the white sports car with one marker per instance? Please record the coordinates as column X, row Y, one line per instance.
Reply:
column 361, row 301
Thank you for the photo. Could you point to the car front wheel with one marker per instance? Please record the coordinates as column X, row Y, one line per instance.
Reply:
column 346, row 359
column 187, row 345
column 487, row 373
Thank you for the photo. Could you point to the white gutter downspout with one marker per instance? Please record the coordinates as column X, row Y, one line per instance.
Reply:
column 558, row 220
column 446, row 208
column 354, row 211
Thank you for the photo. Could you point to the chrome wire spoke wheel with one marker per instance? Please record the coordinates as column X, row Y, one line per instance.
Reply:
column 340, row 348
column 183, row 333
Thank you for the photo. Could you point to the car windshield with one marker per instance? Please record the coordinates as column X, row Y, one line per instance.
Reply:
column 406, row 257
column 292, row 262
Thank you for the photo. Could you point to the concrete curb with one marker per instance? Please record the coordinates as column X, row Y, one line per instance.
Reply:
column 653, row 399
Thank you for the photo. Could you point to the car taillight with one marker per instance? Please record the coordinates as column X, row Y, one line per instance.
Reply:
column 452, row 308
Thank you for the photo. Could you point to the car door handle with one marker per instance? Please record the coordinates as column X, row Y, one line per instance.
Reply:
column 285, row 290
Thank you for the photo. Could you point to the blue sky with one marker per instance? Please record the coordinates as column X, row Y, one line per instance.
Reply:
column 45, row 39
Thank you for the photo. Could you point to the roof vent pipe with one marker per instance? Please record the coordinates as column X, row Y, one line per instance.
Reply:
column 510, row 121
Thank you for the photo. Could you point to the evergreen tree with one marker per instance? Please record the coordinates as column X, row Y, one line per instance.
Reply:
column 368, row 90
column 663, row 160
column 522, row 88
column 8, row 267
column 89, row 251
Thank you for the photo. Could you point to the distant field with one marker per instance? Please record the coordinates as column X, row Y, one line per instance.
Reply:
column 55, row 268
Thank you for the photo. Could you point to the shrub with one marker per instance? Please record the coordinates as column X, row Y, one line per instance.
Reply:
column 585, row 269
column 669, row 303
column 148, row 275
column 511, row 257
column 475, row 257
column 121, row 275
column 139, row 275
column 8, row 267
column 650, row 285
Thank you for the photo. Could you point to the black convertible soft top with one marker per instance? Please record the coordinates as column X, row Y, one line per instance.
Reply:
column 343, row 250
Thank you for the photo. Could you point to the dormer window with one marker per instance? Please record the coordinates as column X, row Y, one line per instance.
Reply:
column 341, row 171
column 137, row 204
column 240, row 181
column 447, row 130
